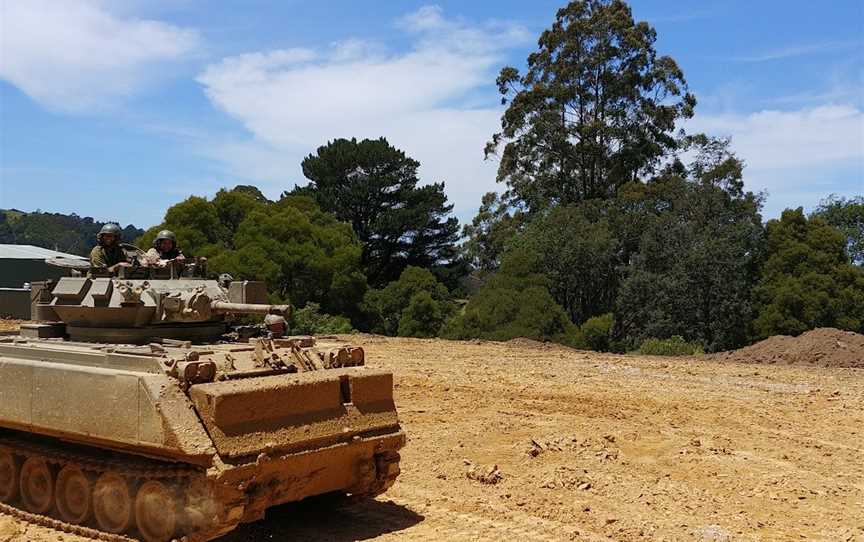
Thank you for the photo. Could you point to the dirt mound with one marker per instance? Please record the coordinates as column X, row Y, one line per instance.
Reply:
column 822, row 347
column 525, row 342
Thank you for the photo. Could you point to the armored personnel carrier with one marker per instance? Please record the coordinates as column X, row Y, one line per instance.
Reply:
column 125, row 414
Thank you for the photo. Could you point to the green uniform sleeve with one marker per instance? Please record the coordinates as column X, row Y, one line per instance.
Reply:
column 97, row 257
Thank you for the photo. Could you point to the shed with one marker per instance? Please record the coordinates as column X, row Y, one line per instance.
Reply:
column 26, row 263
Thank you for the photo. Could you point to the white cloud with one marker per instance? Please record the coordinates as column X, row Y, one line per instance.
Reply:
column 785, row 139
column 76, row 55
column 291, row 101
column 793, row 51
column 425, row 18
column 798, row 156
column 419, row 99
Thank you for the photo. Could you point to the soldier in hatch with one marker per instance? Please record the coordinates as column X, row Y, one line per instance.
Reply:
column 164, row 250
column 275, row 326
column 108, row 255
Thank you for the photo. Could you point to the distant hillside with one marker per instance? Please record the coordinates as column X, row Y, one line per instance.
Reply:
column 55, row 231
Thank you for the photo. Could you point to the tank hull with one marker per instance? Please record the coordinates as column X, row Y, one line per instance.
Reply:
column 364, row 467
column 250, row 439
column 203, row 332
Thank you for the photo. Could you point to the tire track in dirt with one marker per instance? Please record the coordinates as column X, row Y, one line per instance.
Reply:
column 432, row 520
column 797, row 437
column 508, row 523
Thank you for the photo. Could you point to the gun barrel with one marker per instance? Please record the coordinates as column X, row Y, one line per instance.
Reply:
column 250, row 308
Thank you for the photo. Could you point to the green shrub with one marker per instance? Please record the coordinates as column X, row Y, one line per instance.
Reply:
column 596, row 332
column 422, row 317
column 513, row 305
column 575, row 338
column 674, row 346
column 311, row 321
column 515, row 302
column 386, row 308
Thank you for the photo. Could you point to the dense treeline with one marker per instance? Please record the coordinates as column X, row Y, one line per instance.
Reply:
column 616, row 231
column 55, row 231
column 683, row 257
column 321, row 264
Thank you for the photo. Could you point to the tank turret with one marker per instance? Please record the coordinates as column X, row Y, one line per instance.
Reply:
column 137, row 311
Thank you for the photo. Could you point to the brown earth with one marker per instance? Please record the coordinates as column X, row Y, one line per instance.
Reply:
column 823, row 347
column 538, row 442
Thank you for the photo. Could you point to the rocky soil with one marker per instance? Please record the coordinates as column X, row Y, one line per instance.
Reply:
column 536, row 442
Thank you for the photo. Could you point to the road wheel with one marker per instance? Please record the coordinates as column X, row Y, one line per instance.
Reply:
column 73, row 495
column 10, row 470
column 37, row 485
column 112, row 503
column 156, row 512
column 201, row 508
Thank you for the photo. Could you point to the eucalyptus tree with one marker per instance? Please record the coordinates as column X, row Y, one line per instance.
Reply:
column 595, row 109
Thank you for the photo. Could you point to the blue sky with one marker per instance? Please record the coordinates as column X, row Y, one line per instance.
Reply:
column 118, row 109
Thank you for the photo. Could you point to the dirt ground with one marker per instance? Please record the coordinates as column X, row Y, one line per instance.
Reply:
column 535, row 442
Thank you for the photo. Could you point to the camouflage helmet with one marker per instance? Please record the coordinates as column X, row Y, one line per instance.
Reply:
column 274, row 319
column 276, row 324
column 111, row 228
column 165, row 234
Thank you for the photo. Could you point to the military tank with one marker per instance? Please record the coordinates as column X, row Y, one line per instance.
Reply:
column 126, row 414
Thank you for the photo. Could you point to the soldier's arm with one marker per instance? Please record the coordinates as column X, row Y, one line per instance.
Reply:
column 122, row 261
column 97, row 259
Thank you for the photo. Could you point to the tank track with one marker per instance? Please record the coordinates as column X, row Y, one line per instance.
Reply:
column 133, row 469
column 62, row 526
column 385, row 471
column 383, row 474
